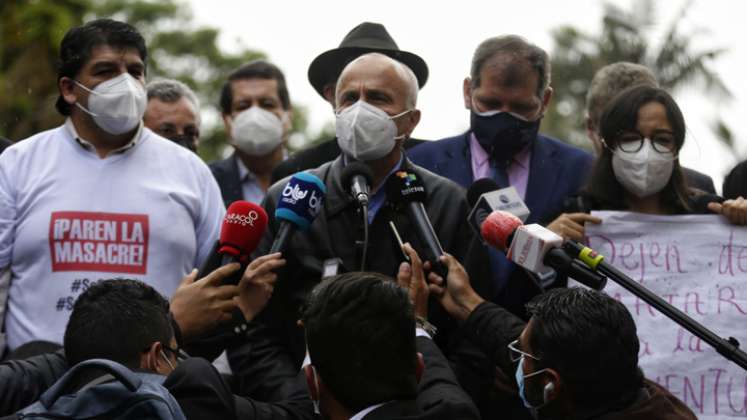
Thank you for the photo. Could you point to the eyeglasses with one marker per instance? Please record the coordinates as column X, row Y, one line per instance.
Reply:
column 516, row 353
column 179, row 354
column 632, row 142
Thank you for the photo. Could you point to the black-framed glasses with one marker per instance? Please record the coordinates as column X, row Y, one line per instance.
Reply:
column 179, row 354
column 632, row 142
column 516, row 354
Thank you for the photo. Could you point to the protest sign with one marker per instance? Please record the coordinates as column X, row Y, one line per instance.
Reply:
column 698, row 264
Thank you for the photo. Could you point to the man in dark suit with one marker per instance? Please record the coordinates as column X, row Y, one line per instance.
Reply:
column 256, row 112
column 370, row 357
column 323, row 73
column 605, row 85
column 507, row 94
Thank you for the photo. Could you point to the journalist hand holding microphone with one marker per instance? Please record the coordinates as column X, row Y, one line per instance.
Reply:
column 199, row 305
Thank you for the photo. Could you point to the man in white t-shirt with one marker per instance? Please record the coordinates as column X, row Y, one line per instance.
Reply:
column 100, row 196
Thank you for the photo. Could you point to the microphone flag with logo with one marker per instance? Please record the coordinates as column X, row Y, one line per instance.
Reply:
column 405, row 190
column 300, row 202
column 242, row 228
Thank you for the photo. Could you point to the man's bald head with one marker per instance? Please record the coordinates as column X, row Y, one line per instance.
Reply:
column 375, row 65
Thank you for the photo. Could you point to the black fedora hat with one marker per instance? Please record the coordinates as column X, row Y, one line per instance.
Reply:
column 365, row 38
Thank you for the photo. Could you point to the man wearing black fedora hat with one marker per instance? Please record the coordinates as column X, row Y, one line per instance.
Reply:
column 323, row 73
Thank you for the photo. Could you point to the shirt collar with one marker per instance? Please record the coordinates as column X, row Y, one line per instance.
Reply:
column 361, row 414
column 90, row 147
column 394, row 169
column 244, row 173
column 481, row 156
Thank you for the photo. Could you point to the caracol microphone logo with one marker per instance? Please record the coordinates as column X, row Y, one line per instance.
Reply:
column 503, row 199
column 242, row 219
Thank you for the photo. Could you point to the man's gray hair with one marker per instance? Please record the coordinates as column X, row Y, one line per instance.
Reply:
column 411, row 101
column 170, row 91
column 517, row 47
column 611, row 80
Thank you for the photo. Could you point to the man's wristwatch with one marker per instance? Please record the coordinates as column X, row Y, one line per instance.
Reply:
column 426, row 326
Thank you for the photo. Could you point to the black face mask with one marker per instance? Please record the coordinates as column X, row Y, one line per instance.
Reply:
column 186, row 141
column 503, row 135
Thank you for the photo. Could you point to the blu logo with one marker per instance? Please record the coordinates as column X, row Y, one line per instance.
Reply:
column 293, row 194
column 315, row 204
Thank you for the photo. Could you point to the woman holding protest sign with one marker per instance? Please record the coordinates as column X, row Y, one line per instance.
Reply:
column 638, row 169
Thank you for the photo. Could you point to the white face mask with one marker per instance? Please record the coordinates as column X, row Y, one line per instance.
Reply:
column 116, row 105
column 365, row 132
column 645, row 172
column 256, row 131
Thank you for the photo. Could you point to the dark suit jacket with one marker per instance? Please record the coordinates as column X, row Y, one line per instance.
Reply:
column 226, row 172
column 276, row 347
column 315, row 156
column 439, row 393
column 699, row 180
column 556, row 170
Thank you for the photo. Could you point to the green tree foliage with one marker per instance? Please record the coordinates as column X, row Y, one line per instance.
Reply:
column 626, row 36
column 32, row 31
column 30, row 35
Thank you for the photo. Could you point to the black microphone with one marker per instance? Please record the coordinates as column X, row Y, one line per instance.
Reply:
column 485, row 196
column 357, row 178
column 299, row 203
column 406, row 190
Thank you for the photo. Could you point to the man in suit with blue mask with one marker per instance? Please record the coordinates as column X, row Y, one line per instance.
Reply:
column 507, row 94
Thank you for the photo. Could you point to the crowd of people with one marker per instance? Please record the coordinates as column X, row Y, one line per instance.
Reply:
column 104, row 219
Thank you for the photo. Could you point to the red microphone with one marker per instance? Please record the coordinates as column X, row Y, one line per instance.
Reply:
column 535, row 248
column 242, row 229
column 498, row 229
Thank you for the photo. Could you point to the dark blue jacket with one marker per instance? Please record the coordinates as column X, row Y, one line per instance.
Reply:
column 556, row 170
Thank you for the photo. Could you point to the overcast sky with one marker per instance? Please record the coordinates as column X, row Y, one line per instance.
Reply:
column 445, row 34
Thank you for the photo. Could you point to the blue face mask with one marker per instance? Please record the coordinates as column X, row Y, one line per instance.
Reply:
column 520, row 382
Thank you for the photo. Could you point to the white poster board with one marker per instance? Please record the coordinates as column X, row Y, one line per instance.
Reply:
column 699, row 265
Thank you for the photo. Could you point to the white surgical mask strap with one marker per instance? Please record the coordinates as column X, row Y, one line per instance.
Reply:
column 167, row 360
column 393, row 117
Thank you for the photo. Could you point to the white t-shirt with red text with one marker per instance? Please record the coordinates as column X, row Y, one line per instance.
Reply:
column 68, row 218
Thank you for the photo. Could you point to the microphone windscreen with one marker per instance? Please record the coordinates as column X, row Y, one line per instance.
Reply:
column 478, row 188
column 301, row 200
column 404, row 187
column 243, row 227
column 354, row 169
column 498, row 228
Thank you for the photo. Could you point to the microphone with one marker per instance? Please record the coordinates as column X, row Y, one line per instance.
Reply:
column 300, row 202
column 485, row 197
column 407, row 191
column 357, row 177
column 242, row 228
column 535, row 248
